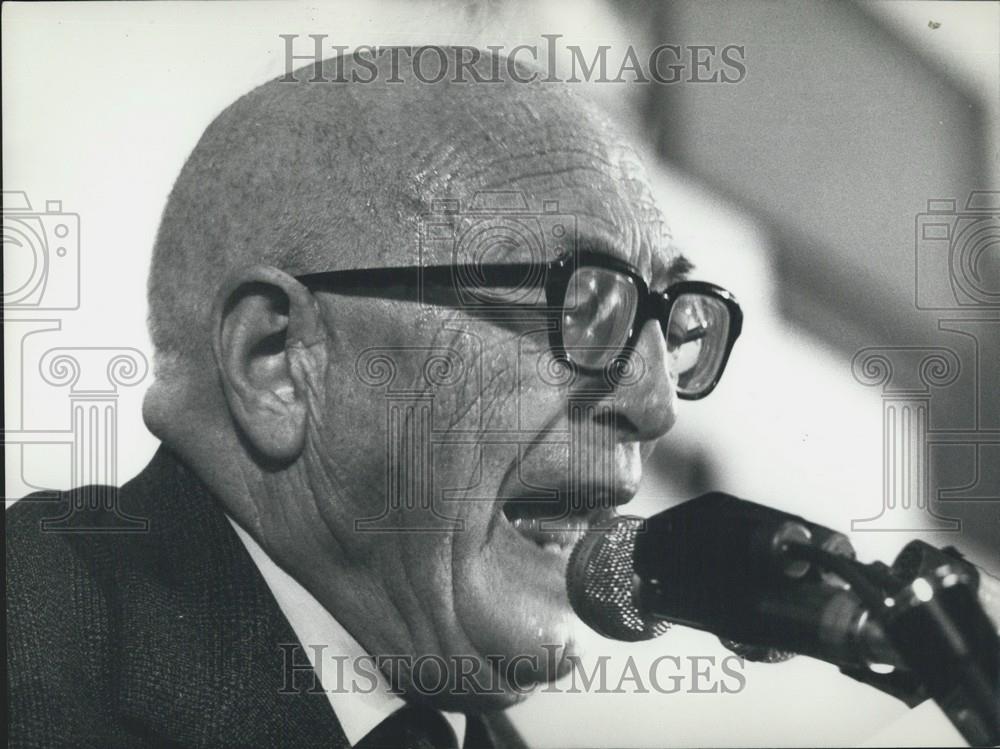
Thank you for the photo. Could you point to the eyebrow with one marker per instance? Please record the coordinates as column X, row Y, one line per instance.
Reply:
column 679, row 268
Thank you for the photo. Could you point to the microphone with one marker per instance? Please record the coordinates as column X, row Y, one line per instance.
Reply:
column 718, row 563
column 777, row 584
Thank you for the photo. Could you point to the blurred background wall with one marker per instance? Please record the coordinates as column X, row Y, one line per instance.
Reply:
column 871, row 334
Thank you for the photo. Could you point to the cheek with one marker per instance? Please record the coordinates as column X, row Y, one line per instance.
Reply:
column 351, row 449
column 503, row 399
column 522, row 391
column 429, row 408
column 484, row 395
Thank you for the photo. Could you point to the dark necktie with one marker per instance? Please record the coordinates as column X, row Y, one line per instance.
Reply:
column 411, row 727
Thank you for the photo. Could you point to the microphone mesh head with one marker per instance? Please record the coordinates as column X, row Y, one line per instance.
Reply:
column 602, row 587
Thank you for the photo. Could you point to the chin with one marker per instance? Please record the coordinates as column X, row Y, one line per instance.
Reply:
column 523, row 644
column 510, row 601
column 489, row 688
column 508, row 587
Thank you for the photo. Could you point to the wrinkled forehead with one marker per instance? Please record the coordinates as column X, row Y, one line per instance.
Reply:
column 519, row 226
column 507, row 173
column 539, row 188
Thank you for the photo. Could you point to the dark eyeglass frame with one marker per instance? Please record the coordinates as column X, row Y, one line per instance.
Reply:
column 557, row 275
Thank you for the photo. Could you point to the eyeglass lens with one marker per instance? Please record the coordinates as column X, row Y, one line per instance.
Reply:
column 600, row 310
column 597, row 315
column 696, row 333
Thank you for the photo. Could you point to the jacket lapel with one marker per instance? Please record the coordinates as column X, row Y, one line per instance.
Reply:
column 199, row 656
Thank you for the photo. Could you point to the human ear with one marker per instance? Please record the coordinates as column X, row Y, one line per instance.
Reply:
column 264, row 323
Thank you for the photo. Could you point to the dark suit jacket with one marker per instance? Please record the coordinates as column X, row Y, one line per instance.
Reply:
column 166, row 637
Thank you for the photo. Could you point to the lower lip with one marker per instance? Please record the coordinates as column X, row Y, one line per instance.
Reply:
column 555, row 536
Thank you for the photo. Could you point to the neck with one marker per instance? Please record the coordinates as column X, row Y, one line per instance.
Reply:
column 277, row 508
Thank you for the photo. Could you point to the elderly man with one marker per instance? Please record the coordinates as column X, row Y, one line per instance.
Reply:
column 411, row 341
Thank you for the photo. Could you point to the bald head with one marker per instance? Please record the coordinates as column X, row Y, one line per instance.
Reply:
column 312, row 176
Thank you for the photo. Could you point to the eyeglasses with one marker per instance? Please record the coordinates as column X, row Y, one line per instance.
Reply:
column 602, row 305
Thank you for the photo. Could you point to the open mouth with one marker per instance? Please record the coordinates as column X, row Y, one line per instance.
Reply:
column 556, row 523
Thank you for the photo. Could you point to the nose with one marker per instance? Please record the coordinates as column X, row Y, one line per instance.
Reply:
column 646, row 397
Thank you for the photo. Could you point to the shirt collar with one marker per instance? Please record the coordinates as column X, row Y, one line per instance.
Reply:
column 321, row 635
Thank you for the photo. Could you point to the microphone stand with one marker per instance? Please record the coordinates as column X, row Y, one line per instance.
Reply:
column 928, row 605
